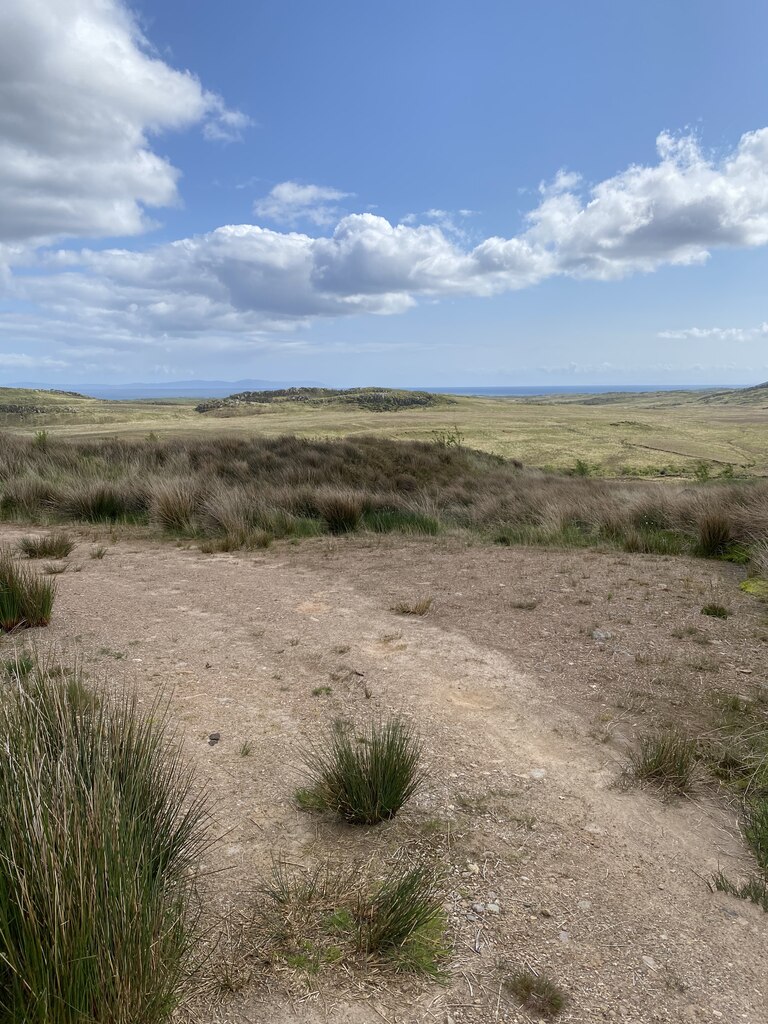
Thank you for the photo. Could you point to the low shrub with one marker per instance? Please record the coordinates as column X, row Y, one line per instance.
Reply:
column 26, row 599
column 366, row 778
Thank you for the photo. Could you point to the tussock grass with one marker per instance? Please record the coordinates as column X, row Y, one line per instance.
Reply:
column 536, row 992
column 99, row 836
column 404, row 918
column 365, row 776
column 225, row 489
column 716, row 611
column 329, row 916
column 53, row 545
column 419, row 607
column 26, row 599
column 715, row 534
column 665, row 758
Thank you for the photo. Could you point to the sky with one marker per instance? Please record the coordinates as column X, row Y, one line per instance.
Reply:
column 404, row 194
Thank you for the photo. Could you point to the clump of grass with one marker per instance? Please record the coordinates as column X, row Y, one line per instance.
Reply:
column 536, row 992
column 400, row 521
column 321, row 691
column 54, row 568
column 98, row 838
column 527, row 606
column 405, row 918
column 53, row 545
column 717, row 611
column 753, row 889
column 26, row 600
column 98, row 552
column 245, row 749
column 756, row 831
column 17, row 667
column 665, row 758
column 420, row 607
column 327, row 916
column 715, row 535
column 366, row 778
column 654, row 542
column 342, row 510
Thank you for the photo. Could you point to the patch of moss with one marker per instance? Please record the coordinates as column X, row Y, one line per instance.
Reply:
column 755, row 586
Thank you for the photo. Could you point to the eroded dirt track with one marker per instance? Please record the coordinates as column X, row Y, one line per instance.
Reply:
column 527, row 679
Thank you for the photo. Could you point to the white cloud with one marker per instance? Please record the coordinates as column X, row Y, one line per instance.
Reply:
column 240, row 281
column 719, row 333
column 19, row 359
column 289, row 203
column 80, row 97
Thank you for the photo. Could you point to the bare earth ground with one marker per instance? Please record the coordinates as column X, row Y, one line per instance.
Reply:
column 526, row 717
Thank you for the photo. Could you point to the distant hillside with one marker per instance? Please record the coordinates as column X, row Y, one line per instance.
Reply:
column 371, row 399
column 19, row 405
column 756, row 396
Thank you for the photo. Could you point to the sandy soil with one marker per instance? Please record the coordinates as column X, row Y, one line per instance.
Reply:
column 528, row 678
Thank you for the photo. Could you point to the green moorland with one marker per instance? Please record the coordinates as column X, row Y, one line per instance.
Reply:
column 622, row 434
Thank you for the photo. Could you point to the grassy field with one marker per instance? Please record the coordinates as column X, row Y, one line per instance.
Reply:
column 624, row 434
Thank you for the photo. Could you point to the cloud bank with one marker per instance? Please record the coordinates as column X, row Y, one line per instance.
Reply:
column 82, row 101
column 247, row 278
column 81, row 96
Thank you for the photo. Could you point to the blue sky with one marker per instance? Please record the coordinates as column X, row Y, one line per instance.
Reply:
column 430, row 193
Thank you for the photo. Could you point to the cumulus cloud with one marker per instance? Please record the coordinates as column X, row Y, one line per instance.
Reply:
column 289, row 203
column 81, row 94
column 719, row 333
column 240, row 281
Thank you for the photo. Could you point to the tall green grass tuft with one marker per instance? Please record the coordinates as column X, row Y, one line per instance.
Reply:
column 99, row 835
column 405, row 919
column 26, row 599
column 365, row 778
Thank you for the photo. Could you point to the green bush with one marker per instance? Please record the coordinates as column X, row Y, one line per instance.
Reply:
column 366, row 778
column 26, row 599
column 98, row 838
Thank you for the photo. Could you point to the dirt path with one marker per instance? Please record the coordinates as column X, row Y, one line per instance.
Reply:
column 524, row 712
